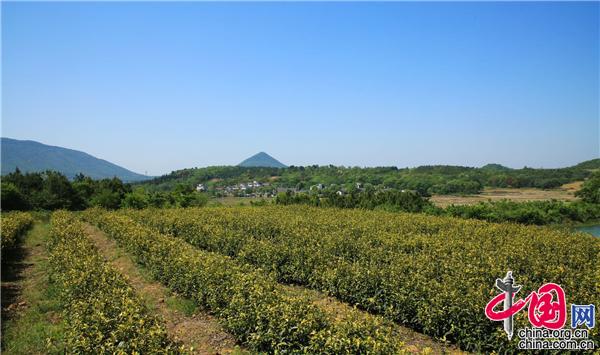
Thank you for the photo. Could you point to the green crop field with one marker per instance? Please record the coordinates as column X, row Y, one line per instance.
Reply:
column 382, row 280
column 432, row 274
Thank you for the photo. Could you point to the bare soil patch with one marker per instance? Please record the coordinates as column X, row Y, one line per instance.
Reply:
column 563, row 193
column 15, row 264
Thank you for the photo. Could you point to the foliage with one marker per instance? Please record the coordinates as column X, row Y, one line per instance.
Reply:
column 137, row 199
column 184, row 196
column 425, row 180
column 590, row 191
column 390, row 200
column 251, row 305
column 48, row 190
column 51, row 191
column 103, row 312
column 107, row 199
column 12, row 198
column 434, row 274
column 14, row 224
column 532, row 212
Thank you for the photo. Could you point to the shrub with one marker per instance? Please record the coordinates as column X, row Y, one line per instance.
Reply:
column 14, row 224
column 434, row 274
column 103, row 313
column 251, row 304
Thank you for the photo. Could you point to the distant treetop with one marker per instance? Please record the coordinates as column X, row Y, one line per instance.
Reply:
column 496, row 167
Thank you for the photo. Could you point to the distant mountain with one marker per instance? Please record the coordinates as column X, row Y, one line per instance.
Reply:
column 262, row 159
column 30, row 156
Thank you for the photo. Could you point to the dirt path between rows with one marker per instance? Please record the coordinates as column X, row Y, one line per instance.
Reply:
column 16, row 263
column 192, row 327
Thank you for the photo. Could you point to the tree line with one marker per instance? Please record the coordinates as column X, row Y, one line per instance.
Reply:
column 390, row 200
column 426, row 180
column 533, row 212
column 51, row 190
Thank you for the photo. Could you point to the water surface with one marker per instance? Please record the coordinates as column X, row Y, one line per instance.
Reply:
column 593, row 230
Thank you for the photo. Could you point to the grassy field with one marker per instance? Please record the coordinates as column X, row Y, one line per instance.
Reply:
column 564, row 193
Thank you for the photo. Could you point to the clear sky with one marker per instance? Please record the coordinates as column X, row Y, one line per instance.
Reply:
column 156, row 87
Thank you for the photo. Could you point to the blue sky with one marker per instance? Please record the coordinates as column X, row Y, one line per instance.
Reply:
column 156, row 87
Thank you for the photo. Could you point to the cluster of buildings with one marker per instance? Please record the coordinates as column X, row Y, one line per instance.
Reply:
column 248, row 189
column 242, row 186
column 341, row 191
column 237, row 187
column 258, row 189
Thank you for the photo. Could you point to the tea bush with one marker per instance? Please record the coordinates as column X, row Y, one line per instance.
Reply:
column 14, row 224
column 434, row 274
column 251, row 305
column 103, row 313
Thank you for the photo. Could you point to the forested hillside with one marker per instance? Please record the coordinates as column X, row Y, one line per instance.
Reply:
column 30, row 156
column 426, row 180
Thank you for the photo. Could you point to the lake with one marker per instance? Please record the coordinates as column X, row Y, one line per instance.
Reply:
column 593, row 230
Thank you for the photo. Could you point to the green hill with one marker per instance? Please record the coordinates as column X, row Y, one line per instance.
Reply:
column 495, row 167
column 432, row 179
column 262, row 159
column 30, row 156
column 589, row 164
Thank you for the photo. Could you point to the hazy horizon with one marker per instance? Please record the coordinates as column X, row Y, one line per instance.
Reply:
column 157, row 87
